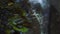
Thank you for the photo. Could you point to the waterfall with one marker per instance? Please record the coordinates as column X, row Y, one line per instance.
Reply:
column 43, row 18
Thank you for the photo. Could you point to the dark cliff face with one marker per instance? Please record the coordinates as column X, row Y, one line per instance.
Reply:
column 56, row 3
column 54, row 21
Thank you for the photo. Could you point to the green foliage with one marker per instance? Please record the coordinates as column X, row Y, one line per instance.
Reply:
column 12, row 21
column 12, row 7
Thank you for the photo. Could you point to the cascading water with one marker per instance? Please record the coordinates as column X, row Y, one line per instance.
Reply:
column 43, row 17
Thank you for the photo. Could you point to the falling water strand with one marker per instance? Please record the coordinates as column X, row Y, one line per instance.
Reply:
column 42, row 18
column 46, row 17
